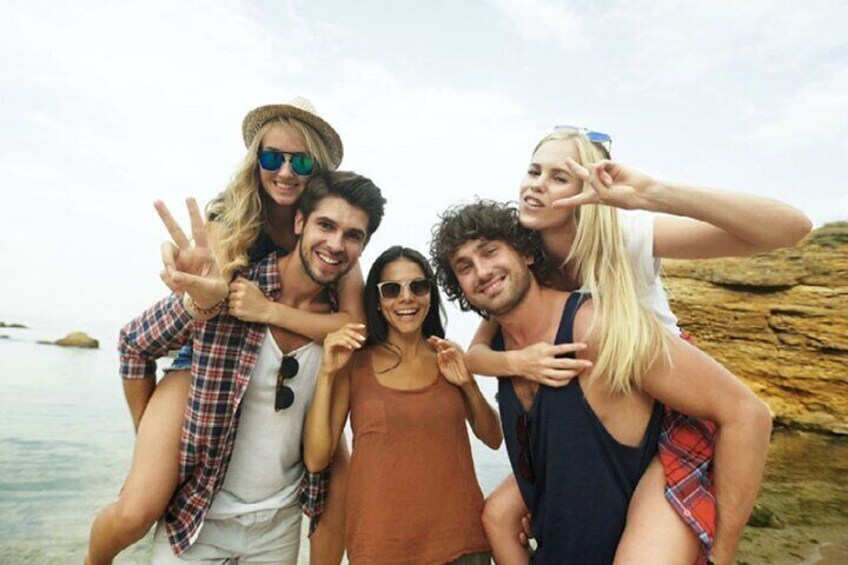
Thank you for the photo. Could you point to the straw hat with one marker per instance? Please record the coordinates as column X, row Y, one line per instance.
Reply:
column 299, row 109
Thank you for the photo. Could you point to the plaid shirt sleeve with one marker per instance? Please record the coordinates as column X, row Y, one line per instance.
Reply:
column 164, row 326
column 687, row 450
column 313, row 496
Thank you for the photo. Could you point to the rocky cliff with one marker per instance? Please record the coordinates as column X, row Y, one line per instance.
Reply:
column 779, row 321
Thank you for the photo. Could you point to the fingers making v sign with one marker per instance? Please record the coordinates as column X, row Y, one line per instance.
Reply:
column 609, row 183
column 190, row 268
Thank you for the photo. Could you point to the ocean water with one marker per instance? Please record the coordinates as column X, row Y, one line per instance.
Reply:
column 66, row 443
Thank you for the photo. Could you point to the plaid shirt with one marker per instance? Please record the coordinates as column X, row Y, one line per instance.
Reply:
column 686, row 450
column 225, row 352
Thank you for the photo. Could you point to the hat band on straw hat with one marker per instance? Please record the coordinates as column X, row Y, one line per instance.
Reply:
column 299, row 109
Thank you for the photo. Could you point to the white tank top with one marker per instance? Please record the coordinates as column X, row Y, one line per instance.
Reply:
column 267, row 461
column 638, row 231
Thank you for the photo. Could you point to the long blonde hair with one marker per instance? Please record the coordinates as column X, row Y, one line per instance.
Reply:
column 631, row 336
column 240, row 208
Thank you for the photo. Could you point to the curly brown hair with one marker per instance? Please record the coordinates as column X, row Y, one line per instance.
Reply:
column 483, row 219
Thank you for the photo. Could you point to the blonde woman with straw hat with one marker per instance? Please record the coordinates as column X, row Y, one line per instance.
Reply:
column 570, row 195
column 287, row 144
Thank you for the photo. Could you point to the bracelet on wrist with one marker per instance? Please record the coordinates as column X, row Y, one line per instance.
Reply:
column 207, row 311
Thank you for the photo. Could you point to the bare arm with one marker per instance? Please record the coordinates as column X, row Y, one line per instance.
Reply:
column 538, row 362
column 247, row 303
column 722, row 224
column 326, row 419
column 697, row 385
column 483, row 419
column 710, row 223
column 331, row 401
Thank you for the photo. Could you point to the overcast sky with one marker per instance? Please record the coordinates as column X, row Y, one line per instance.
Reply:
column 106, row 106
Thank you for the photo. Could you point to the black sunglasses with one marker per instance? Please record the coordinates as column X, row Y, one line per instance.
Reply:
column 284, row 396
column 525, row 456
column 389, row 290
column 273, row 160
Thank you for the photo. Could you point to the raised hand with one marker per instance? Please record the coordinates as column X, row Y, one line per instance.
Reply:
column 247, row 303
column 609, row 183
column 340, row 345
column 539, row 363
column 451, row 361
column 188, row 268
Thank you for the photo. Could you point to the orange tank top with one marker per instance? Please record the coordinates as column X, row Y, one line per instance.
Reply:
column 412, row 494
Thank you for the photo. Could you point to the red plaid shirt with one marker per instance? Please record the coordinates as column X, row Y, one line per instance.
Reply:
column 687, row 450
column 225, row 352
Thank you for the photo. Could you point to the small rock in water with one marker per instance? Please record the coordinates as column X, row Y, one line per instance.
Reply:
column 78, row 339
column 762, row 517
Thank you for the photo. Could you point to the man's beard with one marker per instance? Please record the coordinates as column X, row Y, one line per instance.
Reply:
column 521, row 288
column 304, row 261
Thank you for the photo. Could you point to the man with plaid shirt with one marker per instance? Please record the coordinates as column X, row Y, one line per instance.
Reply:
column 240, row 467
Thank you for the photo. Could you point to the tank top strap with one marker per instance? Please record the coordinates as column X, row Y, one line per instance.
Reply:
column 498, row 340
column 565, row 333
column 652, row 434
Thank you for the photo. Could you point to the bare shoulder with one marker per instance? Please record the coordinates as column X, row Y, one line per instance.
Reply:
column 583, row 321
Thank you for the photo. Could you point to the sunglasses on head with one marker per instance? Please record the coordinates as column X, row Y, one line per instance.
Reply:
column 392, row 289
column 273, row 160
column 593, row 136
column 284, row 396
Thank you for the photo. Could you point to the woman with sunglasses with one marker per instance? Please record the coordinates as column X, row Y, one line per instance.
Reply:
column 572, row 189
column 286, row 144
column 412, row 493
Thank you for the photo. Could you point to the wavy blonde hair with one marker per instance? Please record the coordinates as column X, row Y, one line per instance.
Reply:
column 631, row 336
column 240, row 208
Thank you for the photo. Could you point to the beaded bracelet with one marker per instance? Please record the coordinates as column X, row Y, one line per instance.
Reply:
column 207, row 311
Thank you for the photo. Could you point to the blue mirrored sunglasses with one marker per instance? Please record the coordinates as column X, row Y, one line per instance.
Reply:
column 593, row 136
column 273, row 160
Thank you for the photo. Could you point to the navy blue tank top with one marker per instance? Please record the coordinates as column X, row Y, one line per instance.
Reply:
column 576, row 479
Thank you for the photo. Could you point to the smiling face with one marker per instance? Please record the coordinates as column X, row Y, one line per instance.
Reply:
column 493, row 276
column 283, row 186
column 548, row 179
column 331, row 238
column 405, row 314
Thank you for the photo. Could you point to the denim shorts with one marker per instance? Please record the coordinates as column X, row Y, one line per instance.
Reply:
column 182, row 362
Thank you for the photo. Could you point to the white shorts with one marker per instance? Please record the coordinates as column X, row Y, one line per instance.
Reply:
column 267, row 536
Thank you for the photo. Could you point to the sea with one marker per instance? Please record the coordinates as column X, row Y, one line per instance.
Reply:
column 66, row 442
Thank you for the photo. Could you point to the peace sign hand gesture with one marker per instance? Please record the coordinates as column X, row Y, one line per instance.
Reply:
column 188, row 268
column 609, row 183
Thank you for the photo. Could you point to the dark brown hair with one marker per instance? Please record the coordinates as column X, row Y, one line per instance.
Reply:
column 357, row 190
column 483, row 219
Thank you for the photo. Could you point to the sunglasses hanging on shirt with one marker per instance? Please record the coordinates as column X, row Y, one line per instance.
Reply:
column 284, row 396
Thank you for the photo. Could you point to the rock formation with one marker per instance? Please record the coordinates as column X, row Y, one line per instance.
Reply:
column 779, row 321
column 78, row 339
